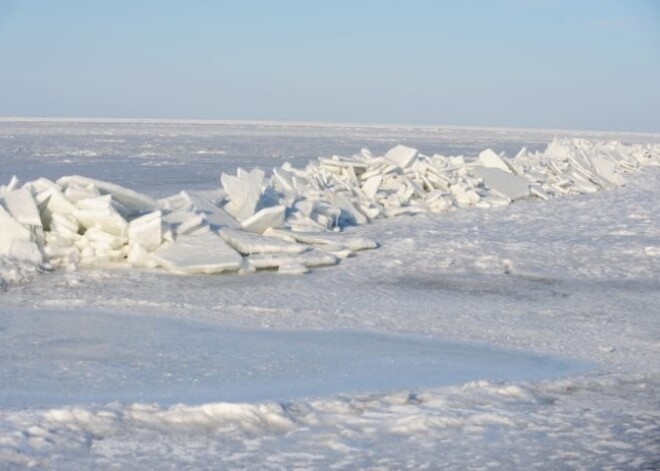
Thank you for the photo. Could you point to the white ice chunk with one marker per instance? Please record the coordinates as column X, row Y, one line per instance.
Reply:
column 39, row 185
column 16, row 241
column 607, row 170
column 244, row 191
column 175, row 202
column 401, row 156
column 96, row 203
column 139, row 257
column 203, row 253
column 22, row 207
column 488, row 158
column 108, row 219
column 100, row 238
column 146, row 231
column 214, row 214
column 356, row 216
column 353, row 243
column 283, row 179
column 511, row 186
column 536, row 190
column 459, row 192
column 135, row 202
column 264, row 219
column 65, row 225
column 11, row 186
column 54, row 239
column 60, row 255
column 75, row 192
column 52, row 202
column 248, row 243
column 183, row 221
column 312, row 258
column 370, row 187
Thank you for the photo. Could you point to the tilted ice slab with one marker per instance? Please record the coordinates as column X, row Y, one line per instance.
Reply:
column 198, row 253
column 292, row 220
column 510, row 186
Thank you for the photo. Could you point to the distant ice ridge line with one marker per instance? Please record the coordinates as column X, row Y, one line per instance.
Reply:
column 290, row 221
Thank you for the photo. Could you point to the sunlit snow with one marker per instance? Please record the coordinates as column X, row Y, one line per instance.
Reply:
column 480, row 306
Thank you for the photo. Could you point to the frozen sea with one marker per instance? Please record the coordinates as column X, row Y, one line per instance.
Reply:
column 523, row 337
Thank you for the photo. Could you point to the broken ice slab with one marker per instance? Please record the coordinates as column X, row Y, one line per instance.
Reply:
column 204, row 203
column 16, row 241
column 511, row 186
column 582, row 183
column 538, row 191
column 370, row 187
column 340, row 162
column 203, row 253
column 298, row 222
column 75, row 192
column 95, row 203
column 309, row 259
column 264, row 219
column 98, row 237
column 588, row 174
column 65, row 225
column 175, row 202
column 146, row 231
column 139, row 257
column 283, row 180
column 606, row 168
column 460, row 194
column 438, row 202
column 401, row 156
column 106, row 218
column 53, row 239
column 52, row 201
column 355, row 216
column 456, row 162
column 248, row 243
column 135, row 202
column 58, row 255
column 22, row 207
column 353, row 243
column 11, row 186
column 182, row 221
column 488, row 158
column 244, row 192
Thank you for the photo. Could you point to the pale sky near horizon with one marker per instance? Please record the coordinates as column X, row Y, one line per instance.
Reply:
column 580, row 64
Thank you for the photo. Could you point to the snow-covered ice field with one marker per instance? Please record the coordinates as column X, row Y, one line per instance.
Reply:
column 516, row 337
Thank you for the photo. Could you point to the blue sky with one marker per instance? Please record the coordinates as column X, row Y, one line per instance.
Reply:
column 574, row 64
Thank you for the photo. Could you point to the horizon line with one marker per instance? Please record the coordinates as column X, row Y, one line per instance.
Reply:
column 270, row 122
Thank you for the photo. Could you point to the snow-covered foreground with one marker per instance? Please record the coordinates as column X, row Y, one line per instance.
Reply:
column 330, row 353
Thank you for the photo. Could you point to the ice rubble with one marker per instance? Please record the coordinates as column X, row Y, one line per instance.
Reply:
column 291, row 220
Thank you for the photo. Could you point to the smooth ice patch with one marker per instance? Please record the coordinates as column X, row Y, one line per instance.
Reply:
column 96, row 358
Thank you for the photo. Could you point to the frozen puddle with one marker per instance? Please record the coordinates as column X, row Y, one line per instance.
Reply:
column 95, row 357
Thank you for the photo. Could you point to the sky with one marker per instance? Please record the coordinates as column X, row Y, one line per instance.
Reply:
column 565, row 64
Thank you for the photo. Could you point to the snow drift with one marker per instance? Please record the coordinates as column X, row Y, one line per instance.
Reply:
column 292, row 220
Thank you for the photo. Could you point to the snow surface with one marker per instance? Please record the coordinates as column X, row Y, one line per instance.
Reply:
column 573, row 280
